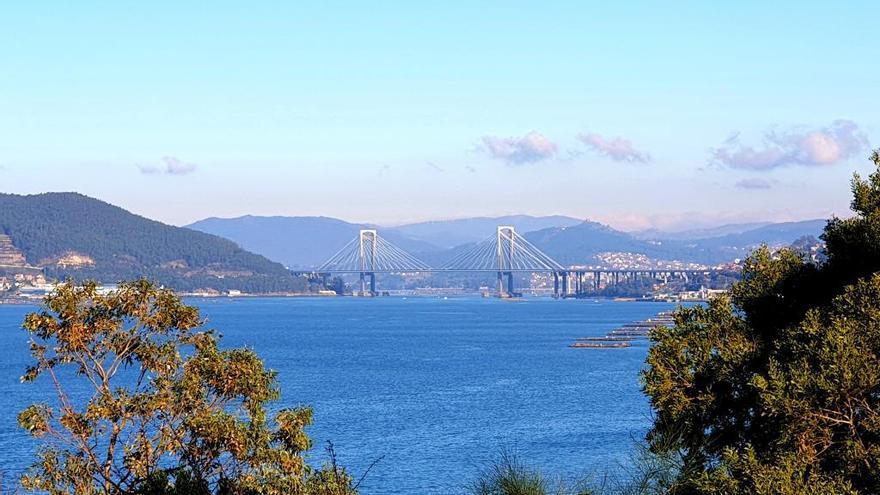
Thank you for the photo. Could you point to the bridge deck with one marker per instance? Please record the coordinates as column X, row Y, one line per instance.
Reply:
column 527, row 270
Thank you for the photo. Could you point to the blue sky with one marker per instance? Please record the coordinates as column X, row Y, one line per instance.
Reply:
column 639, row 114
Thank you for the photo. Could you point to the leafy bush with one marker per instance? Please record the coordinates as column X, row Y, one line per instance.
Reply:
column 776, row 388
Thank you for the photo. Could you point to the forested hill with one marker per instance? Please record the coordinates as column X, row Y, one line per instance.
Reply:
column 71, row 235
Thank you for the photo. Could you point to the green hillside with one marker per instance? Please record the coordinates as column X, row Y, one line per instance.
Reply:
column 71, row 235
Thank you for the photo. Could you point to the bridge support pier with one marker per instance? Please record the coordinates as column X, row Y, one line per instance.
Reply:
column 562, row 284
column 506, row 288
column 372, row 284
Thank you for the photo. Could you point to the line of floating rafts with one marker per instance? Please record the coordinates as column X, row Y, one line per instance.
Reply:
column 626, row 334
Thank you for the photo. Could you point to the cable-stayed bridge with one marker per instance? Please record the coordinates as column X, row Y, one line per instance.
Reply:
column 369, row 254
column 504, row 253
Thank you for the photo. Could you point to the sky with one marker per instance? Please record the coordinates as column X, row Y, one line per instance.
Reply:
column 641, row 115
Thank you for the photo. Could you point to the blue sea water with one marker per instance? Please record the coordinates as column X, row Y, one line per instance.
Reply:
column 434, row 387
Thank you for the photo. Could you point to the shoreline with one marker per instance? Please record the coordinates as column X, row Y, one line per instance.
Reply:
column 37, row 301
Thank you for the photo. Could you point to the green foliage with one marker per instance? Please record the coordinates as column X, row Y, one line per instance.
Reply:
column 640, row 287
column 787, row 475
column 509, row 476
column 167, row 410
column 648, row 473
column 126, row 246
column 776, row 388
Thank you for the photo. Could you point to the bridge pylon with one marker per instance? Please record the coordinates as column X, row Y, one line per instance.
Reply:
column 506, row 248
column 368, row 254
column 505, row 253
column 368, row 244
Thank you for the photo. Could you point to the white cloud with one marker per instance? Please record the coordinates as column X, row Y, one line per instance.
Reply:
column 754, row 183
column 531, row 148
column 617, row 149
column 170, row 166
column 809, row 147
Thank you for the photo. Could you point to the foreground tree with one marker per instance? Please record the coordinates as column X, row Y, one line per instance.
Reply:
column 776, row 388
column 147, row 403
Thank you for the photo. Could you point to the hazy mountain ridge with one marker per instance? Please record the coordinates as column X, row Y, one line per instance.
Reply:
column 305, row 242
column 72, row 235
column 772, row 234
column 298, row 242
column 451, row 233
column 580, row 244
column 696, row 234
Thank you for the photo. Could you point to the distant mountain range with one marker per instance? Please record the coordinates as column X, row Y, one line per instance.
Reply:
column 447, row 234
column 298, row 242
column 305, row 242
column 694, row 234
column 772, row 234
column 71, row 235
column 580, row 244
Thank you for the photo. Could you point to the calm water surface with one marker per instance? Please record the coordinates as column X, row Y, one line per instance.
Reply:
column 435, row 387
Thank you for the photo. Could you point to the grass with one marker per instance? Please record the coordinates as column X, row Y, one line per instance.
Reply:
column 646, row 474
